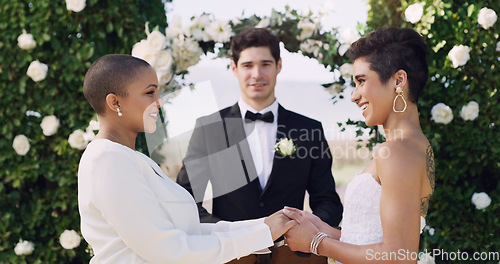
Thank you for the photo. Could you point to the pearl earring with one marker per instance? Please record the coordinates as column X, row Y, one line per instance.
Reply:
column 119, row 112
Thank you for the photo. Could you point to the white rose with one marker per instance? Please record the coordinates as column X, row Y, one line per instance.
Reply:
column 75, row 5
column 69, row 239
column 24, row 247
column 186, row 52
column 263, row 23
column 93, row 125
column 285, row 147
column 348, row 36
column 442, row 113
column 220, row 31
column 21, row 145
column 164, row 67
column 143, row 50
column 37, row 71
column 346, row 70
column 307, row 28
column 157, row 41
column 481, row 200
column 487, row 17
column 414, row 12
column 459, row 55
column 425, row 258
column 343, row 49
column 77, row 140
column 26, row 41
column 498, row 46
column 470, row 111
column 49, row 125
column 198, row 26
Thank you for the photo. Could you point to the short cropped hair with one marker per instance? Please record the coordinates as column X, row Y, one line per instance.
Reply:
column 389, row 50
column 255, row 37
column 110, row 74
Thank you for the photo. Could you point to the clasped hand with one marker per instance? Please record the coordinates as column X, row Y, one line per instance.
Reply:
column 299, row 227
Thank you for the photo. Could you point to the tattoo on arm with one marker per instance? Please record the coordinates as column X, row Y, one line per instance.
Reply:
column 431, row 175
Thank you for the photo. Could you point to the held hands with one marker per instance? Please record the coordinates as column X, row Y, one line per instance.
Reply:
column 279, row 224
column 299, row 237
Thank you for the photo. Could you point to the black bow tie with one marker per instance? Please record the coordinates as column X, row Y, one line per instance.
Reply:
column 266, row 117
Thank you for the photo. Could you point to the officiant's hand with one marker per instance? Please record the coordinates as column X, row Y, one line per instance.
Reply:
column 299, row 237
column 279, row 224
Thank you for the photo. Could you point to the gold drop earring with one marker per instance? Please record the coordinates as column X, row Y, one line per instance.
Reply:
column 399, row 93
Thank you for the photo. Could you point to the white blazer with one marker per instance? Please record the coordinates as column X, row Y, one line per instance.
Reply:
column 131, row 212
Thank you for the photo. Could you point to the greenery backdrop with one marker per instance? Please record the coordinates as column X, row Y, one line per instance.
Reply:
column 38, row 190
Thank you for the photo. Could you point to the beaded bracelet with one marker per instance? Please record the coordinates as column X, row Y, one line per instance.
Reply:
column 315, row 242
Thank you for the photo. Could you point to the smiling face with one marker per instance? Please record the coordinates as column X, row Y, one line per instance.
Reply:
column 370, row 94
column 256, row 72
column 141, row 106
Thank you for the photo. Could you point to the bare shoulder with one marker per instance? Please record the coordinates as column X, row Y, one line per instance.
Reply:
column 401, row 160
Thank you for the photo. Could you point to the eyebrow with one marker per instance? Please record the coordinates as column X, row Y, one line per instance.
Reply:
column 262, row 61
column 359, row 76
column 151, row 85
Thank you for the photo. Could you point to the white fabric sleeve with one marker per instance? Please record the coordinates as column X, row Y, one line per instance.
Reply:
column 122, row 194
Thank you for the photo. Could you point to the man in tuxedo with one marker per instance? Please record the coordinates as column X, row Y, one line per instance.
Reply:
column 236, row 150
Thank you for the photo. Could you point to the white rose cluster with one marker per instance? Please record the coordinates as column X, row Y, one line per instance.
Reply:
column 69, row 239
column 26, row 41
column 469, row 111
column 414, row 12
column 37, row 71
column 178, row 49
column 49, row 125
column 441, row 113
column 312, row 46
column 481, row 200
column 75, row 5
column 154, row 50
column 79, row 139
column 487, row 17
column 24, row 247
column 459, row 55
column 186, row 53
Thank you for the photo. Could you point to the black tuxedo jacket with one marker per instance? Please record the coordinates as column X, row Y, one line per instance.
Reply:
column 218, row 152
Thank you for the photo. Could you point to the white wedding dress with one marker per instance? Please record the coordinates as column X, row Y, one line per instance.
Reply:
column 361, row 224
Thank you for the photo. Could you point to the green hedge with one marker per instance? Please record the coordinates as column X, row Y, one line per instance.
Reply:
column 38, row 190
column 467, row 153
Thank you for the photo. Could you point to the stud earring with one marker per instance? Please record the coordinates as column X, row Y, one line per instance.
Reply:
column 119, row 112
column 399, row 93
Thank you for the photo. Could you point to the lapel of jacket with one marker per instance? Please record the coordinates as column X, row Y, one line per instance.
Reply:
column 233, row 125
column 235, row 135
column 282, row 131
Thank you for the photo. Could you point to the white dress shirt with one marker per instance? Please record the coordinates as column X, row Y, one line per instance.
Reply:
column 131, row 212
column 261, row 138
